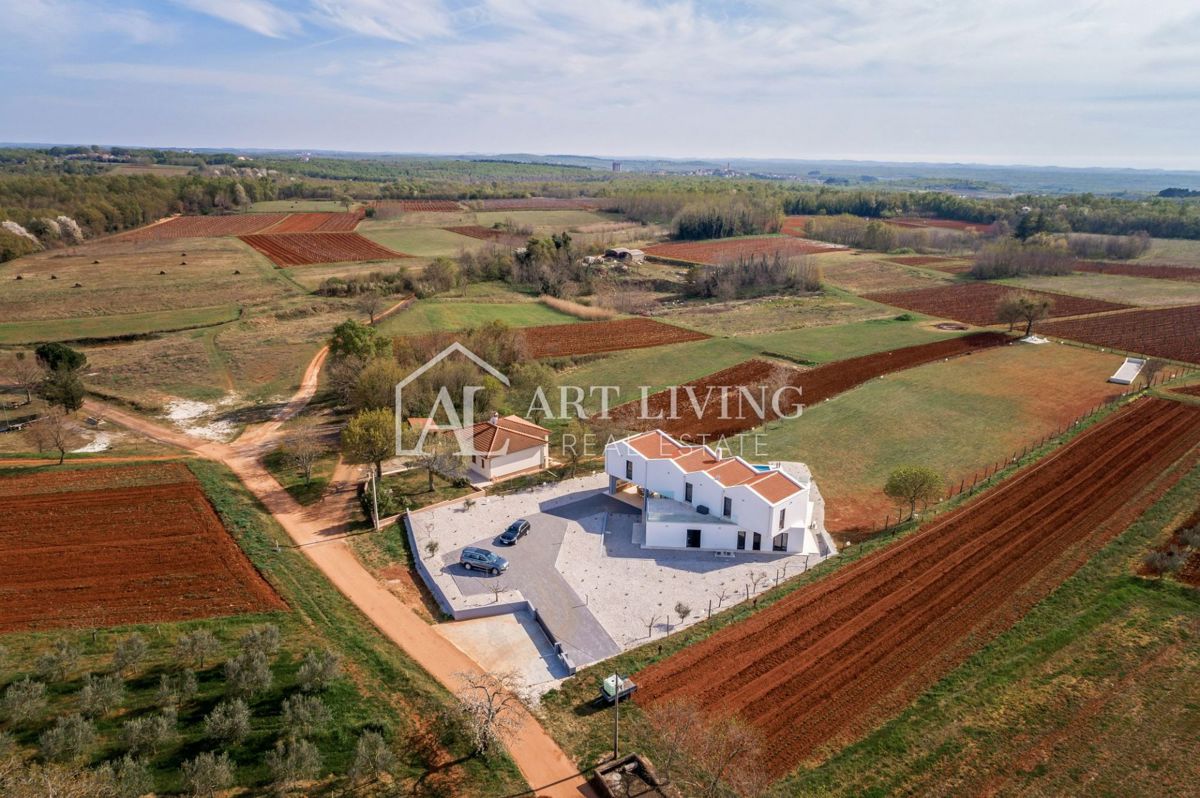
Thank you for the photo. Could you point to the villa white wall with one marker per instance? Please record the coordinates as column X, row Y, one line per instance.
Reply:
column 503, row 465
column 671, row 535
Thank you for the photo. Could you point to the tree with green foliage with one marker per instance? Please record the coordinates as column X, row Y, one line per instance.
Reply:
column 293, row 759
column 375, row 388
column 62, row 389
column 248, row 673
column 370, row 437
column 911, row 484
column 355, row 339
column 263, row 638
column 318, row 670
column 196, row 648
column 372, row 758
column 229, row 721
column 100, row 695
column 23, row 701
column 1033, row 309
column 129, row 652
column 305, row 715
column 55, row 356
column 60, row 660
column 149, row 734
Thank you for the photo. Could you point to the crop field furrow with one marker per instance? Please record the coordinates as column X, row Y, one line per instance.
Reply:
column 562, row 340
column 817, row 618
column 299, row 249
column 725, row 250
column 1154, row 271
column 62, row 565
column 977, row 302
column 923, row 612
column 887, row 625
column 1172, row 333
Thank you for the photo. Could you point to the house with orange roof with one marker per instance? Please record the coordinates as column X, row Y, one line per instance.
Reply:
column 694, row 497
column 503, row 446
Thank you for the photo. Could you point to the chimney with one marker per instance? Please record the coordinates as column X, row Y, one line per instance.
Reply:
column 495, row 419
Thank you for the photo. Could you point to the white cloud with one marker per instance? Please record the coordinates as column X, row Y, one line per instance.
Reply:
column 61, row 23
column 258, row 16
column 397, row 20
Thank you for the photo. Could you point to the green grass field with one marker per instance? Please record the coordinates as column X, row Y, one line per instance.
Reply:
column 440, row 315
column 956, row 416
column 1181, row 251
column 826, row 344
column 1116, row 288
column 127, row 324
column 380, row 688
column 424, row 242
column 773, row 313
column 544, row 221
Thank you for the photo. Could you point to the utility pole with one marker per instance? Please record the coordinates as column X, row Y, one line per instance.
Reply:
column 374, row 503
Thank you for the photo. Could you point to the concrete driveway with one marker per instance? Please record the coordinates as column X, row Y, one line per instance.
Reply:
column 533, row 571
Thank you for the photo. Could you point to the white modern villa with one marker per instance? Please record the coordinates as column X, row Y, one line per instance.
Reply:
column 693, row 498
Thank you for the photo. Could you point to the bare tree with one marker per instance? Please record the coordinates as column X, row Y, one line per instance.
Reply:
column 302, row 448
column 722, row 594
column 490, row 707
column 51, row 432
column 437, row 457
column 370, row 303
column 683, row 611
column 679, row 724
column 727, row 742
column 653, row 619
column 26, row 374
column 1150, row 371
column 497, row 588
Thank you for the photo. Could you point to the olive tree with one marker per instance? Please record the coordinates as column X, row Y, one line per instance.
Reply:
column 911, row 484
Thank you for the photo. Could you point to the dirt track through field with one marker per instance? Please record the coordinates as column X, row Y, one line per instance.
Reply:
column 816, row 386
column 824, row 663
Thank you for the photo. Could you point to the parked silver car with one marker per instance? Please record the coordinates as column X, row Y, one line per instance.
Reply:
column 474, row 558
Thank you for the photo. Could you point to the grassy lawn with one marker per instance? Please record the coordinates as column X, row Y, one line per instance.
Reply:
column 425, row 242
column 767, row 314
column 1116, row 288
column 24, row 332
column 956, row 416
column 411, row 488
column 1105, row 664
column 862, row 274
column 434, row 315
column 1181, row 251
column 380, row 688
column 293, row 481
column 544, row 221
column 827, row 344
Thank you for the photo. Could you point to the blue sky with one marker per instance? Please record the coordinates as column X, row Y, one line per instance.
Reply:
column 1107, row 82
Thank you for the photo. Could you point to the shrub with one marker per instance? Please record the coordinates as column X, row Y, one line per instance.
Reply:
column 148, row 735
column 23, row 701
column 293, row 760
column 129, row 652
column 305, row 715
column 1011, row 258
column 372, row 757
column 196, row 648
column 1190, row 537
column 207, row 774
column 262, row 638
column 55, row 664
column 70, row 739
column 248, row 673
column 318, row 670
column 101, row 695
column 229, row 721
column 585, row 312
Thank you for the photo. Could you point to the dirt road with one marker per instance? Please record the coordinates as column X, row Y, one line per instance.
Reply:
column 317, row 531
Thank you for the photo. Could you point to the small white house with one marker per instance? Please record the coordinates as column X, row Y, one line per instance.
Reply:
column 500, row 447
column 694, row 498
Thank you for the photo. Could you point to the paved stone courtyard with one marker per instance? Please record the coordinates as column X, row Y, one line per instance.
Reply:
column 597, row 590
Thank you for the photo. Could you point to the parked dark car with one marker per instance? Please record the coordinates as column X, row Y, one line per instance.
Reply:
column 516, row 530
column 476, row 559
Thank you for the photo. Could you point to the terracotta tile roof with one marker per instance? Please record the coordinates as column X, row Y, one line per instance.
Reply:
column 656, row 445
column 698, row 459
column 774, row 486
column 511, row 431
column 731, row 471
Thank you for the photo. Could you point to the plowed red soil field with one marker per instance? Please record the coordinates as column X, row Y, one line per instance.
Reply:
column 561, row 340
column 976, row 302
column 794, row 226
column 1173, row 333
column 298, row 249
column 115, row 545
column 1153, row 271
column 944, row 224
column 917, row 260
column 722, row 250
column 318, row 223
column 827, row 662
column 816, row 385
column 206, row 226
column 486, row 233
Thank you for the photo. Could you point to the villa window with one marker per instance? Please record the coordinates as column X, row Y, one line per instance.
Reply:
column 782, row 515
column 727, row 507
column 687, row 491
column 741, row 541
column 780, row 542
column 628, row 469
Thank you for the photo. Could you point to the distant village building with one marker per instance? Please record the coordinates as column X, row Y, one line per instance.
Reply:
column 625, row 255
